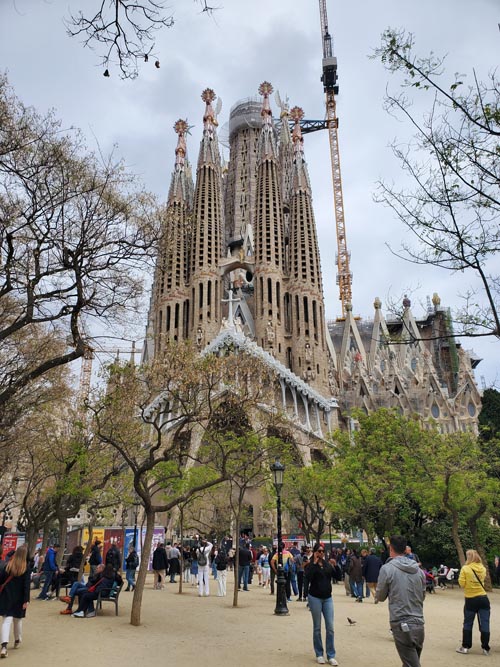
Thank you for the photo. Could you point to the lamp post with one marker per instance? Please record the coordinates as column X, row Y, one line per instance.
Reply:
column 321, row 514
column 330, row 536
column 281, row 609
column 136, row 512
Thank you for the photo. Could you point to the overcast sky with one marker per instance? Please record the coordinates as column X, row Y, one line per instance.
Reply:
column 246, row 42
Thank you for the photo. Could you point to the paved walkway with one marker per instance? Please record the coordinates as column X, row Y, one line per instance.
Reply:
column 188, row 631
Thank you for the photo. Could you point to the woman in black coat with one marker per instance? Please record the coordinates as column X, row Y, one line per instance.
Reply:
column 160, row 565
column 14, row 596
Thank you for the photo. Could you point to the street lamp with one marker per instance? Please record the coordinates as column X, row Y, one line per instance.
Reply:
column 321, row 514
column 281, row 609
column 330, row 535
column 136, row 504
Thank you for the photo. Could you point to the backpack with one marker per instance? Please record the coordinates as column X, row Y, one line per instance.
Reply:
column 202, row 557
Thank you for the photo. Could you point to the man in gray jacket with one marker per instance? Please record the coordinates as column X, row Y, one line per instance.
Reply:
column 403, row 582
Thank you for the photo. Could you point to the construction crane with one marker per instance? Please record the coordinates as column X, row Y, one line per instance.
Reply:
column 329, row 79
column 86, row 368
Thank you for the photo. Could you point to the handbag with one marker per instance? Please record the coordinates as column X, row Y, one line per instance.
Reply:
column 2, row 586
column 92, row 588
column 481, row 583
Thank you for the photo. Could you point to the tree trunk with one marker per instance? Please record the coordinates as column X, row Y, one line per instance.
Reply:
column 135, row 614
column 456, row 538
column 63, row 531
column 31, row 537
column 45, row 538
column 472, row 524
column 236, row 559
column 181, row 559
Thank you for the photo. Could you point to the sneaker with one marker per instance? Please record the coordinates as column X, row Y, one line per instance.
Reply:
column 332, row 661
column 461, row 649
column 17, row 643
column 320, row 660
column 78, row 614
column 3, row 652
column 66, row 612
column 91, row 614
column 486, row 651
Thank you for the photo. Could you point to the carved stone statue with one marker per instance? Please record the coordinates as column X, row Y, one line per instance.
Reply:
column 270, row 333
column 199, row 338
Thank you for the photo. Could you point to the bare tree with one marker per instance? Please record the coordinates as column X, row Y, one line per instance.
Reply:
column 123, row 31
column 75, row 235
column 453, row 210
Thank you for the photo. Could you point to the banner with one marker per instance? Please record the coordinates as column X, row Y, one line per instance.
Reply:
column 112, row 536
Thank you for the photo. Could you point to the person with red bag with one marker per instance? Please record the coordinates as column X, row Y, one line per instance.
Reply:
column 14, row 596
column 105, row 584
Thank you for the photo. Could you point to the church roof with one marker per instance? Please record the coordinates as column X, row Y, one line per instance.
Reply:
column 230, row 336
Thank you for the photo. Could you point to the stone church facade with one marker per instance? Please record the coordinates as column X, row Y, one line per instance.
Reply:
column 239, row 265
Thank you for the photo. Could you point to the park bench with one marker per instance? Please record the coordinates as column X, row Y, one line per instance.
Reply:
column 109, row 595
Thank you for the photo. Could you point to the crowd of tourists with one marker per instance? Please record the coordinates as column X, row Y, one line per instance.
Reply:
column 310, row 573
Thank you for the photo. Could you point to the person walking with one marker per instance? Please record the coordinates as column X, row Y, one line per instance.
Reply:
column 50, row 569
column 403, row 582
column 174, row 562
column 203, row 557
column 356, row 576
column 160, row 565
column 131, row 565
column 471, row 579
column 319, row 575
column 114, row 557
column 14, row 597
column 221, row 565
column 95, row 556
column 265, row 567
column 371, row 569
column 244, row 560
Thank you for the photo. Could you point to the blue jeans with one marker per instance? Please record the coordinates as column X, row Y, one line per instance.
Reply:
column 479, row 605
column 317, row 607
column 48, row 580
column 357, row 588
column 130, row 577
column 243, row 571
column 76, row 589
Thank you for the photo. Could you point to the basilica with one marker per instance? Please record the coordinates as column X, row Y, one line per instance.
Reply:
column 239, row 267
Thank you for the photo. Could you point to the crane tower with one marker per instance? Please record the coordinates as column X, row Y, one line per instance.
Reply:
column 329, row 79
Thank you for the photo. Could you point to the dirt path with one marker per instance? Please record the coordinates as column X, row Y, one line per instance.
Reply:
column 185, row 630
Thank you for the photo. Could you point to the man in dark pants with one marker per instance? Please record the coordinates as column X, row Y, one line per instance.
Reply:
column 403, row 582
column 245, row 558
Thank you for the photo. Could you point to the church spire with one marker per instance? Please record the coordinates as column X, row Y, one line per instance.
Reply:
column 181, row 186
column 305, row 287
column 269, row 236
column 172, row 270
column 208, row 225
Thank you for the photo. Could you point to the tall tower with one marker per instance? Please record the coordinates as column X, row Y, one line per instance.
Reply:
column 305, row 318
column 171, row 295
column 249, row 231
column 269, row 238
column 207, row 233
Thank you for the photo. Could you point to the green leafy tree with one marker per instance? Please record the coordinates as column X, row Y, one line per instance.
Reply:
column 307, row 491
column 373, row 467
